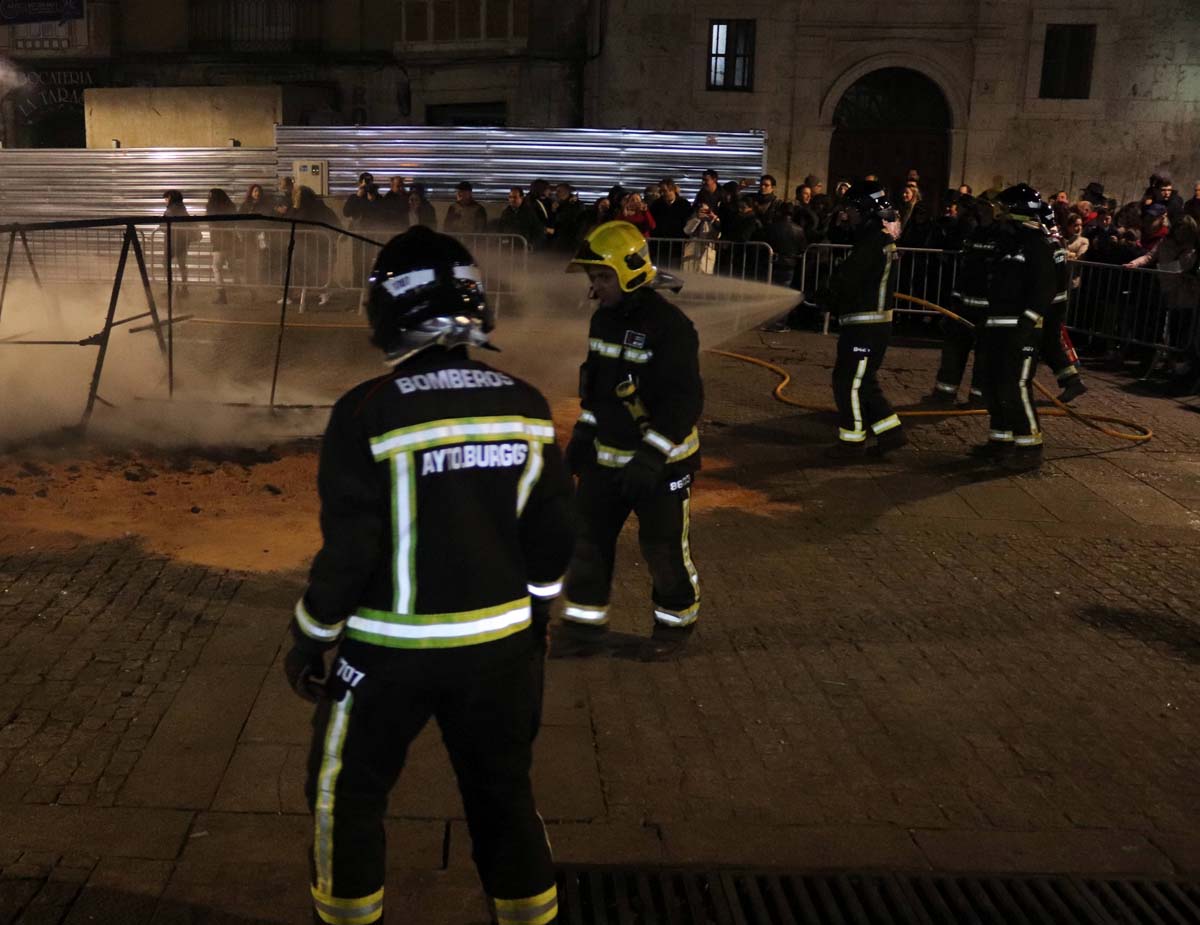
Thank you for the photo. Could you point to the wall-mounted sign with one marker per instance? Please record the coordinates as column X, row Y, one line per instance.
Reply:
column 14, row 12
column 41, row 91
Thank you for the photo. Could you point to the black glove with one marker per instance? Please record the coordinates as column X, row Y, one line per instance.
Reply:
column 304, row 666
column 638, row 479
column 581, row 451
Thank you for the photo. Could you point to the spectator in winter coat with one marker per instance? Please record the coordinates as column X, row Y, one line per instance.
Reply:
column 254, row 240
column 223, row 237
column 509, row 221
column 1102, row 227
column 313, row 257
column 803, row 213
column 568, row 218
column 909, row 197
column 670, row 211
column 395, row 203
column 1156, row 232
column 285, row 197
column 710, row 193
column 465, row 215
column 766, row 204
column 1073, row 240
column 357, row 208
column 537, row 216
column 699, row 254
column 635, row 211
column 745, row 226
column 420, row 209
column 254, row 203
column 786, row 239
column 597, row 213
column 1192, row 206
column 1155, row 228
column 182, row 235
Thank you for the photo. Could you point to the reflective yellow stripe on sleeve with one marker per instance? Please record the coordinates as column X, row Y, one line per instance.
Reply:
column 614, row 457
column 315, row 629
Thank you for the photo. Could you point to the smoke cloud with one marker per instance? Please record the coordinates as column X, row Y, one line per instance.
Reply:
column 224, row 355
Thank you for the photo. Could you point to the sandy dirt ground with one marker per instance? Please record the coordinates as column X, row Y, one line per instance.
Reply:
column 247, row 509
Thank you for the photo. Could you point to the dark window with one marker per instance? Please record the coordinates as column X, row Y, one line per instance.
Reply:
column 731, row 54
column 1067, row 62
column 254, row 25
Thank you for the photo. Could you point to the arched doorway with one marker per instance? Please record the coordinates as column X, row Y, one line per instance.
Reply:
column 887, row 122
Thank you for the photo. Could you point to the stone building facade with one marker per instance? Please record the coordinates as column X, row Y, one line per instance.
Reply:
column 1057, row 92
column 381, row 62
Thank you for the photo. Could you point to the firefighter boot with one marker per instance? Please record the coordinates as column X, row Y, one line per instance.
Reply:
column 577, row 640
column 992, row 450
column 1072, row 389
column 889, row 440
column 667, row 642
column 845, row 452
column 1023, row 459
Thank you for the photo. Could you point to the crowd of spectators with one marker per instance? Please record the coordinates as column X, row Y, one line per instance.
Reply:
column 1159, row 230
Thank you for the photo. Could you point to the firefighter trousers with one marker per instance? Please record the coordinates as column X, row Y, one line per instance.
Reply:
column 1057, row 350
column 860, row 399
column 957, row 343
column 663, row 533
column 488, row 717
column 1011, row 350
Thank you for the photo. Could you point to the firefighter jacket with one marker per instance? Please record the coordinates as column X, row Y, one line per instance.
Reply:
column 646, row 347
column 444, row 506
column 971, row 292
column 1062, row 274
column 863, row 284
column 1022, row 275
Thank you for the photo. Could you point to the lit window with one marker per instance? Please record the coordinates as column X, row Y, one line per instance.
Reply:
column 1067, row 62
column 731, row 54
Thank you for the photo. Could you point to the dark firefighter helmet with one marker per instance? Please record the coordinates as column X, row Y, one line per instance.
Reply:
column 1021, row 203
column 426, row 290
column 1047, row 219
column 871, row 200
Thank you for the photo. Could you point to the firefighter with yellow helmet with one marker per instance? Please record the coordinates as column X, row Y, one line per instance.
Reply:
column 635, row 447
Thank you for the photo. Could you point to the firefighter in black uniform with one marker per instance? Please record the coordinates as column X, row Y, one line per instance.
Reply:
column 445, row 523
column 635, row 446
column 860, row 295
column 968, row 300
column 1057, row 350
column 1021, row 285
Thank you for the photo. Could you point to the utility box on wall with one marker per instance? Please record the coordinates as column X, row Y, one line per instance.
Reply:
column 313, row 174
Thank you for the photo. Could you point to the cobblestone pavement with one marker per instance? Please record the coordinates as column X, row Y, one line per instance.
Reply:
column 911, row 665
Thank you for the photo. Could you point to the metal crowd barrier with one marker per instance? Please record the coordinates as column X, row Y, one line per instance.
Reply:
column 254, row 255
column 1154, row 308
column 1135, row 307
column 750, row 261
column 242, row 255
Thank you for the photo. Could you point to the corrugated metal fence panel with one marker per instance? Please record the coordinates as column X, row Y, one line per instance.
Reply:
column 48, row 184
column 495, row 159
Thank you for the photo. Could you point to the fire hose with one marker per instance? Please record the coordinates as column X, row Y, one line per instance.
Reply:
column 1141, row 433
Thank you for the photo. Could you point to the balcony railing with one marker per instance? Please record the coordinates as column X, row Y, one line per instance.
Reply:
column 254, row 25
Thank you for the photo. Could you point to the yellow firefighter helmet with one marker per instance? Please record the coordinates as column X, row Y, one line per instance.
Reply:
column 620, row 247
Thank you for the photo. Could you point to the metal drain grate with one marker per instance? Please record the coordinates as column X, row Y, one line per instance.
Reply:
column 614, row 896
